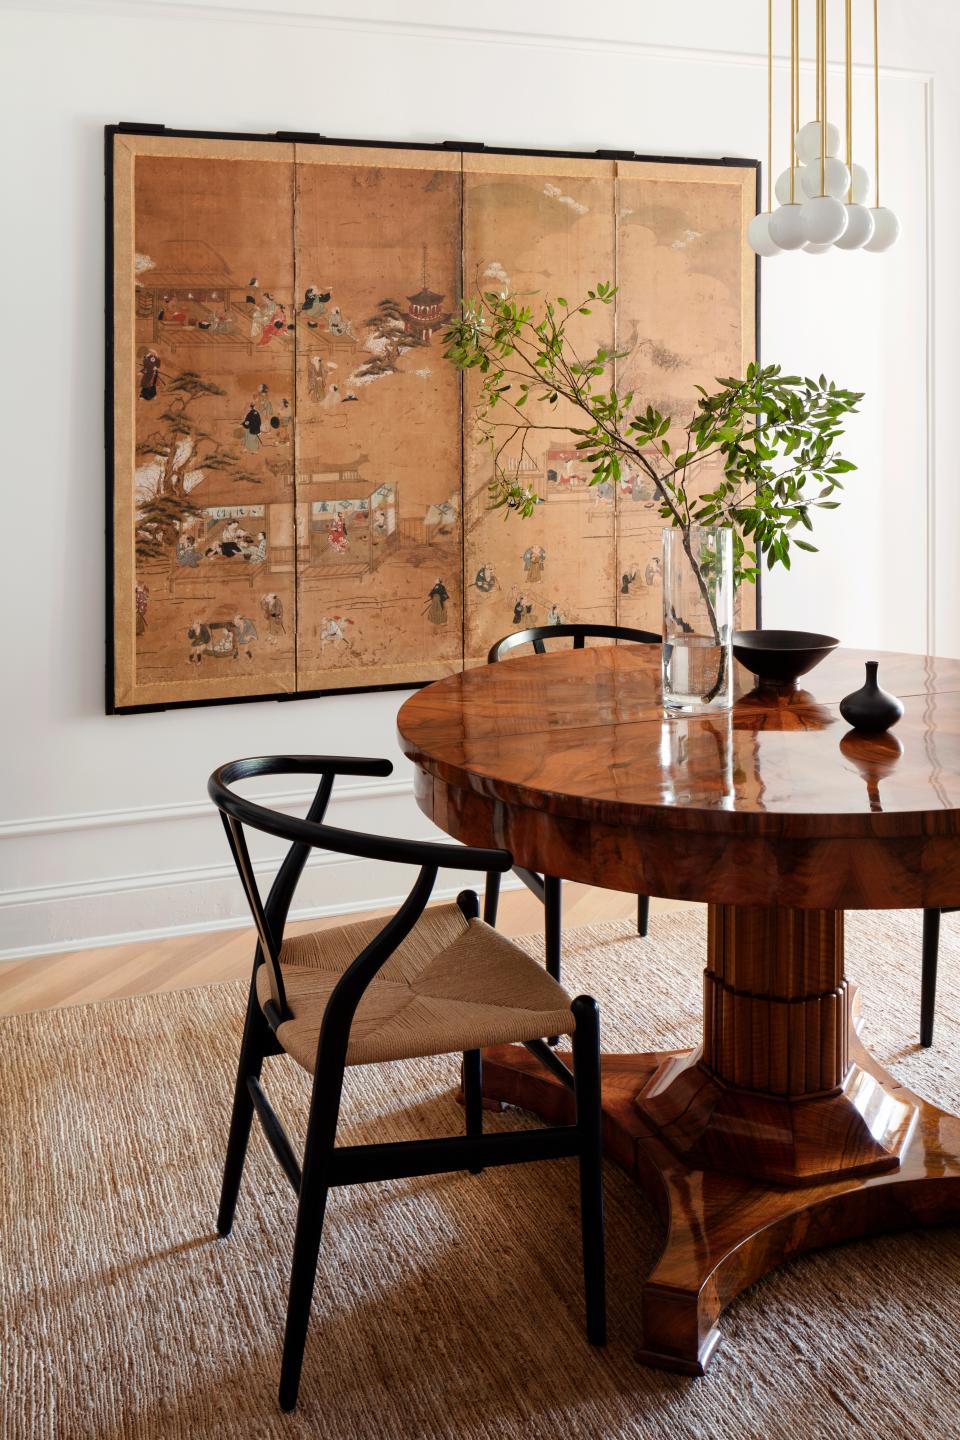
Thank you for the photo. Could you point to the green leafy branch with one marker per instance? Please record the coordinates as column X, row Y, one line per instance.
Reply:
column 772, row 436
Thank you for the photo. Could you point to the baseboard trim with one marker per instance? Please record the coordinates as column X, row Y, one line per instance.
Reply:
column 233, row 922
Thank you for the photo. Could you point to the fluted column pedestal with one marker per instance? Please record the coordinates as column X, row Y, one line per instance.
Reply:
column 773, row 1092
column 776, row 1004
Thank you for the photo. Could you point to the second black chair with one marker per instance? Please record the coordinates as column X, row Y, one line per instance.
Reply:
column 547, row 888
column 931, row 956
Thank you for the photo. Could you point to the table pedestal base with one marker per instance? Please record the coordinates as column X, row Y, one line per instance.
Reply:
column 725, row 1230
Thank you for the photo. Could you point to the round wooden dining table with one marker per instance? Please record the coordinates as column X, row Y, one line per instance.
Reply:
column 779, row 1133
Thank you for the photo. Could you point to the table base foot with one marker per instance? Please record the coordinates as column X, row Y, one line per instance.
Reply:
column 725, row 1231
column 681, row 1365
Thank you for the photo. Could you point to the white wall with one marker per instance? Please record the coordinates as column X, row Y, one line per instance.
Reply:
column 105, row 828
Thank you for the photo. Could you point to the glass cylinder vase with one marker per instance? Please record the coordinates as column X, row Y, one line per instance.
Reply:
column 697, row 618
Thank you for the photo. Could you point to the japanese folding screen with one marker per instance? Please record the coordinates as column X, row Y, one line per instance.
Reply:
column 299, row 501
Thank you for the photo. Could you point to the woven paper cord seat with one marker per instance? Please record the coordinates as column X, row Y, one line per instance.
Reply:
column 453, row 984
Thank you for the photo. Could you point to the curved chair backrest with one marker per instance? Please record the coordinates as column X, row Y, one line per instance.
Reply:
column 270, row 917
column 537, row 634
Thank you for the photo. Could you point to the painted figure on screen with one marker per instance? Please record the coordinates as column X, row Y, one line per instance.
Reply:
column 436, row 609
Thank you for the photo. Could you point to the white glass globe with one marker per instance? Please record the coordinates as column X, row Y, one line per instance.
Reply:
column 786, row 227
column 859, row 228
column 816, row 249
column 886, row 229
column 823, row 220
column 836, row 179
column 782, row 187
column 758, row 236
column 861, row 183
column 807, row 141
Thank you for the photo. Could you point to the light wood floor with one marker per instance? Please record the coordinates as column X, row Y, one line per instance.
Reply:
column 78, row 976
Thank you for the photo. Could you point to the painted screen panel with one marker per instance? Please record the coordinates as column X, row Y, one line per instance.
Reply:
column 685, row 316
column 537, row 228
column 378, row 435
column 204, row 561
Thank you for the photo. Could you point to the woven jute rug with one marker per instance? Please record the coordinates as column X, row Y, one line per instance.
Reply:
column 446, row 1306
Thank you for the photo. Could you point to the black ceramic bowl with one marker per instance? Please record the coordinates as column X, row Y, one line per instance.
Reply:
column 779, row 657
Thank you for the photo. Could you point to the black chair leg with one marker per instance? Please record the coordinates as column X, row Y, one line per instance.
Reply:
column 586, row 1069
column 473, row 1097
column 553, row 910
column 311, row 1207
column 253, row 1048
column 491, row 898
column 643, row 914
column 306, row 1250
column 928, row 984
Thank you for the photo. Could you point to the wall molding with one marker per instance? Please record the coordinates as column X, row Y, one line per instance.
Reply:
column 112, row 909
column 929, row 379
column 190, row 809
column 234, row 12
column 156, row 879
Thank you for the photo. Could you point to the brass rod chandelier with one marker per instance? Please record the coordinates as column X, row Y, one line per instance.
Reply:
column 821, row 198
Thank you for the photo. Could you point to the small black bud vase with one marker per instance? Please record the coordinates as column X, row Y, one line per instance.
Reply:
column 871, row 709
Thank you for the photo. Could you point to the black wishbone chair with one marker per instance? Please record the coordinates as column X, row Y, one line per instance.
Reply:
column 424, row 982
column 547, row 888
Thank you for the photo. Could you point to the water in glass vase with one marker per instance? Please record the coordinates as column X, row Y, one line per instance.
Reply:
column 697, row 618
column 694, row 669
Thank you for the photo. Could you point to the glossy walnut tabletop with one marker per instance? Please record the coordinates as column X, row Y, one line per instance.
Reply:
column 779, row 1133
column 656, row 802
